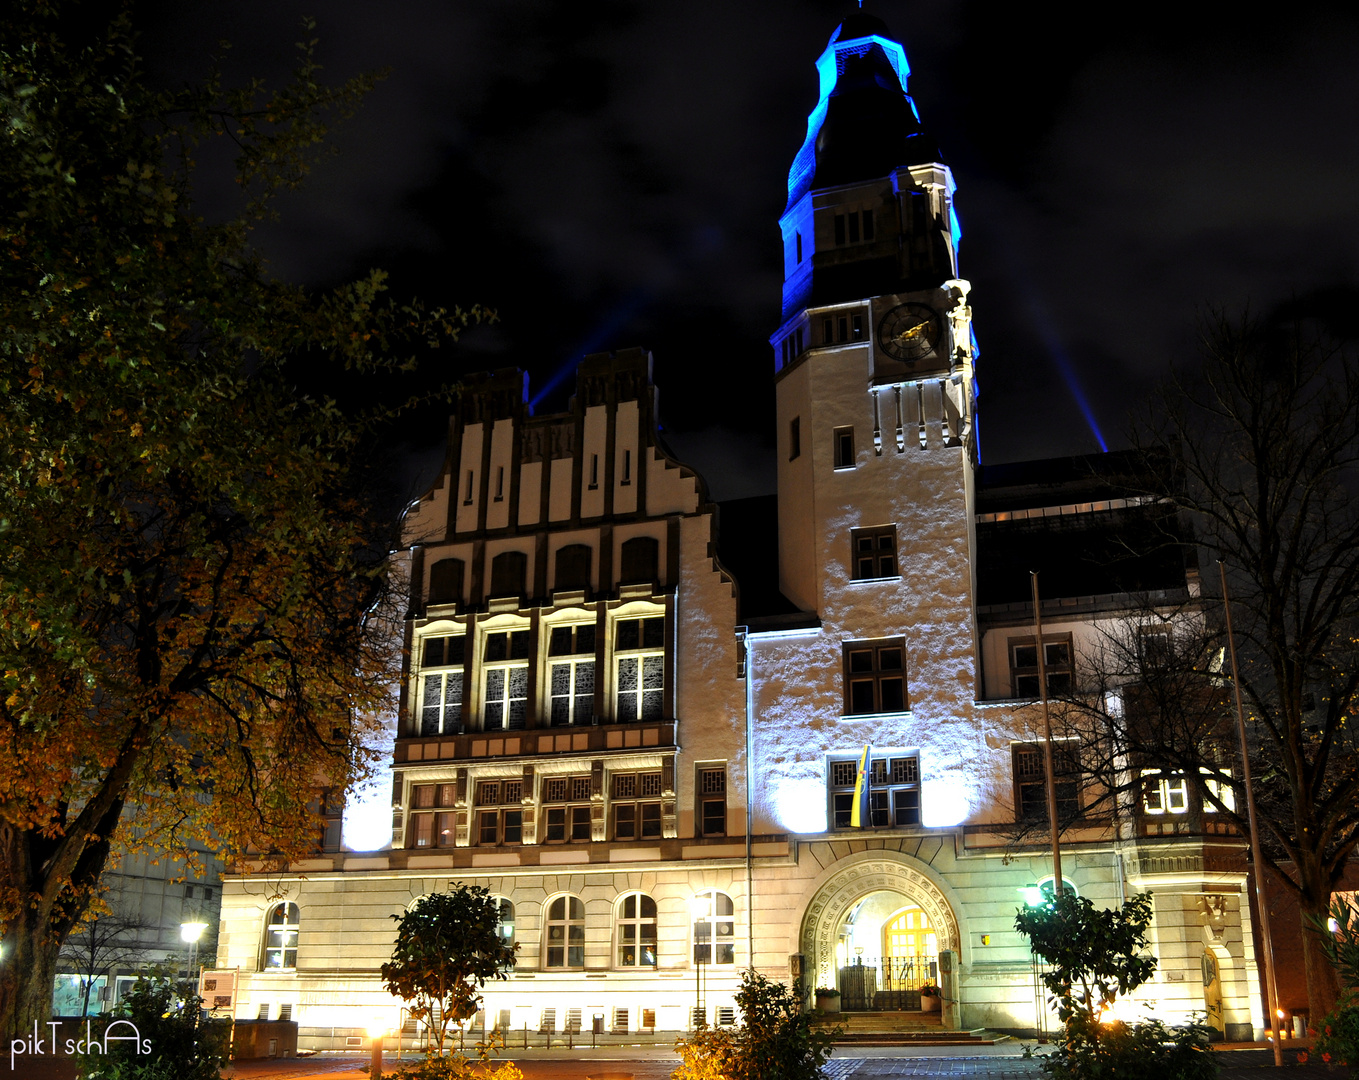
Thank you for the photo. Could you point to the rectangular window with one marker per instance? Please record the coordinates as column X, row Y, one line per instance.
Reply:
column 1030, row 779
column 852, row 220
column 441, row 704
column 799, row 247
column 1164, row 794
column 800, row 343
column 875, row 677
column 627, row 468
column 842, row 326
column 505, row 678
column 828, row 331
column 843, row 439
column 874, row 552
column 1057, row 657
column 422, row 828
column 467, row 497
column 572, row 681
column 636, row 806
column 500, row 483
column 712, row 802
column 566, row 822
column 868, row 224
column 839, row 229
column 794, row 438
column 858, row 327
column 893, row 792
column 640, row 656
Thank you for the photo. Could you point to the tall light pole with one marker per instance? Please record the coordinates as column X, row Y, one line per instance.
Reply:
column 1275, row 1017
column 377, row 1028
column 191, row 933
column 1047, row 740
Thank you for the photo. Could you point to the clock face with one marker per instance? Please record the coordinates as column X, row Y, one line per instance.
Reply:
column 910, row 332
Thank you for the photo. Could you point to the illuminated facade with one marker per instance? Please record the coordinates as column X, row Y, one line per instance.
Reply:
column 637, row 717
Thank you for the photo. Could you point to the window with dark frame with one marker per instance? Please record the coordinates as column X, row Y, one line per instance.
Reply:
column 500, row 814
column 893, row 791
column 435, row 828
column 794, row 438
column 714, row 928
column 853, row 227
column 843, row 442
column 571, row 568
column 566, row 809
column 441, row 692
column 636, row 806
column 874, row 552
column 445, row 581
column 636, row 932
column 571, row 674
column 639, row 648
column 639, row 559
column 565, row 938
column 1030, row 778
column 712, row 802
column 875, row 677
column 505, row 675
column 508, row 573
column 1057, row 657
column 280, row 937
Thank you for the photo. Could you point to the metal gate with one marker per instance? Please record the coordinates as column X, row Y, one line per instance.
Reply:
column 889, row 983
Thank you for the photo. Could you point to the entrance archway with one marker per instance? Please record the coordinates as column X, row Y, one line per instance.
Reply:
column 896, row 882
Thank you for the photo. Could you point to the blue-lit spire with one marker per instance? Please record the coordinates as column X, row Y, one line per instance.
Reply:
column 864, row 123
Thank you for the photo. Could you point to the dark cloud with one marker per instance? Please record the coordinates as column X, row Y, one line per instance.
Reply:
column 611, row 174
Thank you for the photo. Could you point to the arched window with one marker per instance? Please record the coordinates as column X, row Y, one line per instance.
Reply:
column 507, row 573
column 640, row 559
column 506, row 929
column 564, row 942
column 280, row 937
column 714, row 928
column 445, row 581
column 636, row 931
column 573, row 568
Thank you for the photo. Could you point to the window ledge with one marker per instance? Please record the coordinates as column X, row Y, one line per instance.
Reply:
column 874, row 580
column 877, row 715
column 845, row 468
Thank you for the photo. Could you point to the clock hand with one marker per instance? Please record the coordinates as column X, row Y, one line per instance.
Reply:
column 909, row 335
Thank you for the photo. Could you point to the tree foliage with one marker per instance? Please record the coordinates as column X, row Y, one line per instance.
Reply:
column 1337, row 1033
column 448, row 946
column 776, row 1039
column 1261, row 450
column 177, row 1042
column 1094, row 956
column 188, row 587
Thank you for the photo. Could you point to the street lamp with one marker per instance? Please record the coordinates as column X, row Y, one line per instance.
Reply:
column 703, row 932
column 377, row 1028
column 190, row 933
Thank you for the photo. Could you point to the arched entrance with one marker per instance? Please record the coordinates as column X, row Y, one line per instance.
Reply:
column 877, row 928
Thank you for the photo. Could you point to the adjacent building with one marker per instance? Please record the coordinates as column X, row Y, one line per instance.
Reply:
column 637, row 717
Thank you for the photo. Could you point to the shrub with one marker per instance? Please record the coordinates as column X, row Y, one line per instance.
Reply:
column 1144, row 1051
column 1337, row 1041
column 775, row 1040
column 183, row 1045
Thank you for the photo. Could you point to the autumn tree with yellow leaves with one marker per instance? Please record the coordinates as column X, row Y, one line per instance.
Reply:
column 188, row 584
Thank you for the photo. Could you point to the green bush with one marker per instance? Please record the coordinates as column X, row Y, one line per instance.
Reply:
column 179, row 1043
column 775, row 1040
column 1145, row 1051
column 1337, row 1041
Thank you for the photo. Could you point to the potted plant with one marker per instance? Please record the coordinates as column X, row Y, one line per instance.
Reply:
column 930, row 1001
column 827, row 999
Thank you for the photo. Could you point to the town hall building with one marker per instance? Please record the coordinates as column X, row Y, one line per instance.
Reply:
column 637, row 717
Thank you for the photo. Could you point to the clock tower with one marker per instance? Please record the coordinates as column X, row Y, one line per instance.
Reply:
column 874, row 358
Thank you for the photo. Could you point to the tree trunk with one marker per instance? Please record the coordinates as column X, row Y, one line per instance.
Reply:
column 26, row 979
column 1323, row 984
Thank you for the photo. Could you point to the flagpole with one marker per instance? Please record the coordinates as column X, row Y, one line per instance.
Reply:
column 1262, row 901
column 1047, row 740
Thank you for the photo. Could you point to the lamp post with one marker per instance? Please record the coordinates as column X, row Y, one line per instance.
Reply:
column 377, row 1028
column 703, row 939
column 191, row 933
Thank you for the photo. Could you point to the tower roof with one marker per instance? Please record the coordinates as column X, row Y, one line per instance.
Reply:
column 865, row 123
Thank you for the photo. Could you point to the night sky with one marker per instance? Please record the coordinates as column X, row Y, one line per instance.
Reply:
column 611, row 174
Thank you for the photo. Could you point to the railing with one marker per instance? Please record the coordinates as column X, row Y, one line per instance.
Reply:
column 889, row 983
